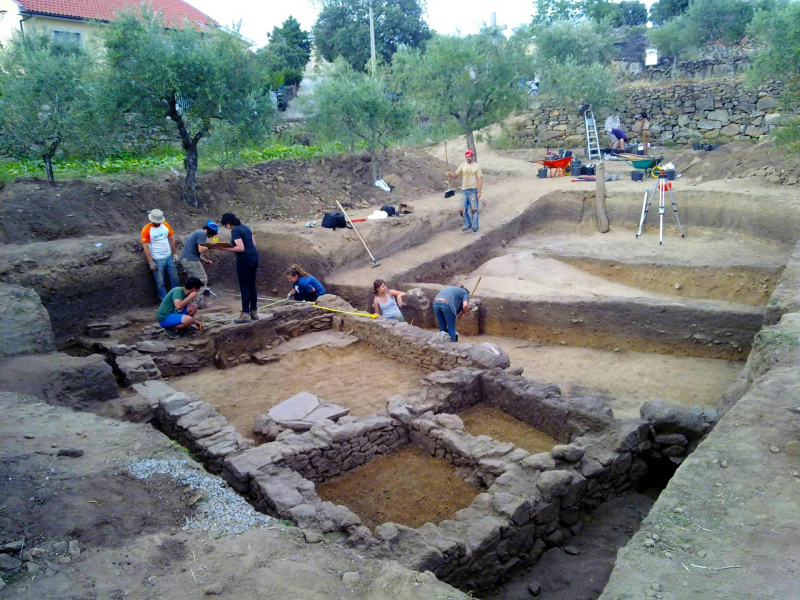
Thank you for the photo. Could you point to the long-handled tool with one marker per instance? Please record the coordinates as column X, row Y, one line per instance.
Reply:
column 375, row 263
column 449, row 192
column 475, row 288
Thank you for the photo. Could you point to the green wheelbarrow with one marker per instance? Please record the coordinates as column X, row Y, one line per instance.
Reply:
column 649, row 164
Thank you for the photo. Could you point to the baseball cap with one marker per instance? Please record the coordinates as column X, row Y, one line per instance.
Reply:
column 469, row 153
column 212, row 226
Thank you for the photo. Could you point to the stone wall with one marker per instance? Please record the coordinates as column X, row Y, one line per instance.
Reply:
column 426, row 349
column 683, row 112
column 24, row 321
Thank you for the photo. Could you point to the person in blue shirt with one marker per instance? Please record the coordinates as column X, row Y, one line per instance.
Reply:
column 304, row 286
column 450, row 304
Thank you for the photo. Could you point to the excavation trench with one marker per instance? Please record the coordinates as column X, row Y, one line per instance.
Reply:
column 445, row 465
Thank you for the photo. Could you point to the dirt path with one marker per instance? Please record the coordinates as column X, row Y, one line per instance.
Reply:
column 355, row 376
column 624, row 380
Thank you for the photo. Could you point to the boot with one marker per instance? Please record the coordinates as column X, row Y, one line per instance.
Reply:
column 243, row 318
column 254, row 315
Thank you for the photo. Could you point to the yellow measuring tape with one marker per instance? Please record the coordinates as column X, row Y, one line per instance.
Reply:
column 359, row 314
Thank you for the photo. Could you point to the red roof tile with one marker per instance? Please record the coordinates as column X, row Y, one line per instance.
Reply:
column 174, row 11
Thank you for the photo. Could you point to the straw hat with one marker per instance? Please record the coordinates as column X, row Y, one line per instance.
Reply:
column 156, row 216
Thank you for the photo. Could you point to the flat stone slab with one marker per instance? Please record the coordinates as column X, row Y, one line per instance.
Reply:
column 304, row 410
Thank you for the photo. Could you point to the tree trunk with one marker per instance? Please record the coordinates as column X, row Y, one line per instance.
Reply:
column 374, row 166
column 48, row 167
column 470, row 141
column 189, row 194
column 674, row 67
column 600, row 197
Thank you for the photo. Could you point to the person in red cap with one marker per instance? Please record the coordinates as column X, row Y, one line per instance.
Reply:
column 471, row 184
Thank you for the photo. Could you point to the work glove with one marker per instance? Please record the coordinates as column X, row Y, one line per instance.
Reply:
column 175, row 258
column 153, row 267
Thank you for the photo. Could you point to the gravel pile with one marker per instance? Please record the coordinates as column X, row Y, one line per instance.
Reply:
column 220, row 513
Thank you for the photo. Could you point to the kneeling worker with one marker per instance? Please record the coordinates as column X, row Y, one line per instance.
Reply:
column 305, row 287
column 450, row 304
column 177, row 311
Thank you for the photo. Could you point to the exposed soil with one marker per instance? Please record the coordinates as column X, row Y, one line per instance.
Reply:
column 129, row 531
column 491, row 421
column 623, row 380
column 32, row 210
column 582, row 576
column 408, row 487
column 743, row 286
column 355, row 377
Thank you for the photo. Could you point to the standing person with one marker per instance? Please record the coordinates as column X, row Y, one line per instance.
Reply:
column 612, row 123
column 643, row 128
column 192, row 259
column 246, row 265
column 177, row 310
column 305, row 287
column 387, row 302
column 158, row 242
column 450, row 304
column 471, row 185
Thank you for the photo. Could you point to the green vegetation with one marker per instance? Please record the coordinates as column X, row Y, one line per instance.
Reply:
column 286, row 55
column 355, row 108
column 467, row 79
column 193, row 79
column 627, row 13
column 342, row 29
column 46, row 100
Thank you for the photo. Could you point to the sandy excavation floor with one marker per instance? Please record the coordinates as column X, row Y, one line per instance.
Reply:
column 491, row 421
column 408, row 487
column 355, row 376
column 624, row 380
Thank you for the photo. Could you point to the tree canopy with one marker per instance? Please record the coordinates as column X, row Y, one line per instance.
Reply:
column 194, row 79
column 664, row 10
column 778, row 57
column 469, row 79
column 46, row 101
column 353, row 108
column 342, row 29
column 616, row 14
column 286, row 54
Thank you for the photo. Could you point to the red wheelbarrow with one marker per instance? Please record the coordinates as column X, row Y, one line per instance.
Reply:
column 559, row 164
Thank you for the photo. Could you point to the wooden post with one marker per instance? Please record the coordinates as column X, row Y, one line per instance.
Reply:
column 600, row 197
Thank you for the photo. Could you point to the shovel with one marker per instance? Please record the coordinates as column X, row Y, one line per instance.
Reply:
column 450, row 192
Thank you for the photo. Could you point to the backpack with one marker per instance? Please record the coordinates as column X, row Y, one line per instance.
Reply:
column 389, row 210
column 334, row 220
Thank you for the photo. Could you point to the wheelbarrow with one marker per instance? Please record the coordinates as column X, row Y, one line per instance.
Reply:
column 559, row 164
column 649, row 164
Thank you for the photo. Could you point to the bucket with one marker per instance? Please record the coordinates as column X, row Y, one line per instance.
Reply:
column 670, row 175
column 637, row 176
column 542, row 173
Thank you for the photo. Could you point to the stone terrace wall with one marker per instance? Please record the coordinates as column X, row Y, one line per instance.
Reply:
column 683, row 112
column 428, row 350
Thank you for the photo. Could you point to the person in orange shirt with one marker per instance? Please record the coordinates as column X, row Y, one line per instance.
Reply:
column 158, row 242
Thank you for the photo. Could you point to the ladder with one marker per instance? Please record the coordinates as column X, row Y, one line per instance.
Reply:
column 592, row 141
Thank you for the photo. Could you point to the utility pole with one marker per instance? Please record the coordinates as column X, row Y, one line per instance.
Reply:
column 372, row 37
column 496, row 29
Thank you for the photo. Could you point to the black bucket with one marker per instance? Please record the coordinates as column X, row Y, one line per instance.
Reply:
column 542, row 173
column 670, row 175
column 637, row 176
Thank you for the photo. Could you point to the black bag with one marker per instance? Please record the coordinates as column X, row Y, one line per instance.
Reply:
column 389, row 210
column 334, row 220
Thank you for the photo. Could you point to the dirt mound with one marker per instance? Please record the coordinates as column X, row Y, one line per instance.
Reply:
column 761, row 163
column 31, row 210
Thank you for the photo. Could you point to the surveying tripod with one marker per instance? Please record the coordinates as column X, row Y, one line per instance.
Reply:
column 662, row 186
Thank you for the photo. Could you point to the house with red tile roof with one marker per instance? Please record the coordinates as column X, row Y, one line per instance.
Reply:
column 77, row 20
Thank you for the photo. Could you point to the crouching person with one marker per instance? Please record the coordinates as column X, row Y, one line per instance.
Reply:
column 177, row 310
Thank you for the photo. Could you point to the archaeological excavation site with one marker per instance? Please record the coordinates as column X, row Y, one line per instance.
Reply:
column 618, row 418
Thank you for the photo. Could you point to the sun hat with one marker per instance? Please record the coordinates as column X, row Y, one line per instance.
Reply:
column 212, row 226
column 156, row 216
column 469, row 153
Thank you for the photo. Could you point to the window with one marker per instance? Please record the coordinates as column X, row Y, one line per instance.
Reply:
column 67, row 37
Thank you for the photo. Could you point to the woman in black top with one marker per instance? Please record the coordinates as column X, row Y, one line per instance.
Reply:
column 246, row 265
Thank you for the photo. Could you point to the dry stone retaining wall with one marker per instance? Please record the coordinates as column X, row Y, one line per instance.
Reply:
column 683, row 112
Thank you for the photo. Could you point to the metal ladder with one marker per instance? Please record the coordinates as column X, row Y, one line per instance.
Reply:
column 592, row 141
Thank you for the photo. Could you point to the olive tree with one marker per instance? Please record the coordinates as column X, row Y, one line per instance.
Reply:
column 351, row 107
column 469, row 79
column 45, row 98
column 186, row 77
